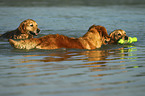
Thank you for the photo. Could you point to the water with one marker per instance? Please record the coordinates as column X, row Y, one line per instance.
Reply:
column 108, row 71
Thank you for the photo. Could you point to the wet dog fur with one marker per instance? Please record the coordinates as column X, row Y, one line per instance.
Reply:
column 116, row 35
column 27, row 29
column 94, row 38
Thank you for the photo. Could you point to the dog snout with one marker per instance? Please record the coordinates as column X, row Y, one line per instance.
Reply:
column 106, row 41
column 126, row 37
column 38, row 30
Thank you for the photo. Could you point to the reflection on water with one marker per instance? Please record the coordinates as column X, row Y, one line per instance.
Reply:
column 96, row 59
column 97, row 64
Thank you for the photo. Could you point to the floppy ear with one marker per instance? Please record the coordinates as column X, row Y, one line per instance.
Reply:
column 91, row 27
column 22, row 27
column 102, row 30
column 112, row 35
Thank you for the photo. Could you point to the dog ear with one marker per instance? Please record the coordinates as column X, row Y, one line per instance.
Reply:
column 22, row 27
column 91, row 27
column 102, row 30
column 112, row 35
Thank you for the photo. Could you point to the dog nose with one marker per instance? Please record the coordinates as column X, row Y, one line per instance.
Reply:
column 106, row 42
column 126, row 37
column 38, row 30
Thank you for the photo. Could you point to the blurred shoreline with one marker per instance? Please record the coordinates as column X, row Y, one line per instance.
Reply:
column 47, row 3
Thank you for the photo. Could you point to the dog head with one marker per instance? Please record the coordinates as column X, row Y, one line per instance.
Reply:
column 116, row 35
column 102, row 33
column 29, row 26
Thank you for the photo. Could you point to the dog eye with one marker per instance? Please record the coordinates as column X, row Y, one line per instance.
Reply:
column 31, row 25
column 119, row 34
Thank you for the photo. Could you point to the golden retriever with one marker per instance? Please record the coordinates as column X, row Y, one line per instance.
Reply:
column 26, row 29
column 94, row 38
column 116, row 35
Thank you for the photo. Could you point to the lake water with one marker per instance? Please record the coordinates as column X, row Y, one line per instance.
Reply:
column 113, row 70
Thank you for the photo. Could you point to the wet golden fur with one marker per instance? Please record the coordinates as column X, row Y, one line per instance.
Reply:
column 26, row 29
column 116, row 35
column 94, row 38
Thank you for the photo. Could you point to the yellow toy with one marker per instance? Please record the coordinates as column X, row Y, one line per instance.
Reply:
column 129, row 41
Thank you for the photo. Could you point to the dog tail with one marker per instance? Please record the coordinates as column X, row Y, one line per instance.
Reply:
column 17, row 44
column 13, row 43
column 23, row 44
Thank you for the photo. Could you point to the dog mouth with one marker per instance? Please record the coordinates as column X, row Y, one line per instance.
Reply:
column 124, row 38
column 34, row 33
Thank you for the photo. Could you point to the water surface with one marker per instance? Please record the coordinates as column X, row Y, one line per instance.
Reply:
column 108, row 71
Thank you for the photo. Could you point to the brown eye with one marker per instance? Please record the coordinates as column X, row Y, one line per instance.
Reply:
column 119, row 34
column 31, row 25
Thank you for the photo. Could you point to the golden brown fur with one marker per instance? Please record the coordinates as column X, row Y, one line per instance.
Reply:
column 116, row 35
column 94, row 38
column 26, row 29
